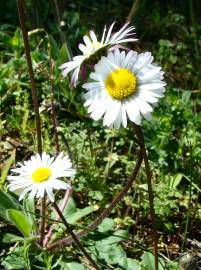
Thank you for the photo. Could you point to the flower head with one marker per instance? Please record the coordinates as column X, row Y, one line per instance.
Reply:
column 40, row 174
column 91, row 46
column 124, row 86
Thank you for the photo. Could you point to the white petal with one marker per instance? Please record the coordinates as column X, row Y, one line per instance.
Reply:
column 144, row 107
column 148, row 97
column 41, row 190
column 101, row 109
column 33, row 191
column 24, row 192
column 109, row 33
column 103, row 36
column 118, row 120
column 124, row 116
column 50, row 193
column 112, row 112
column 88, row 43
column 57, row 184
column 122, row 33
column 83, row 48
column 133, row 112
column 13, row 187
column 93, row 37
column 151, row 86
column 143, row 60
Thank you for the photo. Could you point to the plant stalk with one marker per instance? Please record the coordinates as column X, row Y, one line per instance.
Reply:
column 21, row 11
column 133, row 10
column 140, row 139
column 106, row 212
column 65, row 201
column 54, row 117
column 75, row 239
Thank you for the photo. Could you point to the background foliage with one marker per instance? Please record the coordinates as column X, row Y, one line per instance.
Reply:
column 104, row 158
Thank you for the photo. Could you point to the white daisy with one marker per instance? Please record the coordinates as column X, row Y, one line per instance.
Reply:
column 91, row 46
column 40, row 174
column 124, row 86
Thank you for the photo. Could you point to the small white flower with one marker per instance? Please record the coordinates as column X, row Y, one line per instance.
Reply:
column 91, row 46
column 40, row 174
column 124, row 86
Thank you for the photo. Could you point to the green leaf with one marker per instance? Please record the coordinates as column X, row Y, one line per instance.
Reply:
column 106, row 225
column 24, row 120
column 129, row 264
column 69, row 209
column 19, row 219
column 75, row 266
column 29, row 209
column 15, row 260
column 73, row 214
column 186, row 96
column 63, row 55
column 6, row 167
column 11, row 238
column 96, row 195
column 16, row 39
column 116, row 237
column 112, row 254
column 80, row 213
column 149, row 260
column 53, row 47
column 175, row 181
column 7, row 202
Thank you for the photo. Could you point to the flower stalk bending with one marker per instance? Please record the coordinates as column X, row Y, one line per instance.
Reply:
column 105, row 213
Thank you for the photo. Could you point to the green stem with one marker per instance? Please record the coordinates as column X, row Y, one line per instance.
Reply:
column 140, row 139
column 75, row 239
column 189, row 202
column 133, row 10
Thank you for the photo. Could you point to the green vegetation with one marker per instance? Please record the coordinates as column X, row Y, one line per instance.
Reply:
column 103, row 158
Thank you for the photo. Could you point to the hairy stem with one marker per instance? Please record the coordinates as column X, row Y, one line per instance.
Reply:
column 75, row 239
column 140, row 139
column 65, row 141
column 106, row 212
column 133, row 10
column 54, row 117
column 21, row 11
column 65, row 201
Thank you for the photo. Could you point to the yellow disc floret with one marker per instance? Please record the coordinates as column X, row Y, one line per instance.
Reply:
column 41, row 174
column 121, row 83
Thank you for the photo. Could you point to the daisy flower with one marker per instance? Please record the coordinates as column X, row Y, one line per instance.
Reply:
column 40, row 174
column 124, row 87
column 91, row 46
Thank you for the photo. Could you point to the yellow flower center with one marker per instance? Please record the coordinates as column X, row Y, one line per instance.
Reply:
column 41, row 174
column 121, row 83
